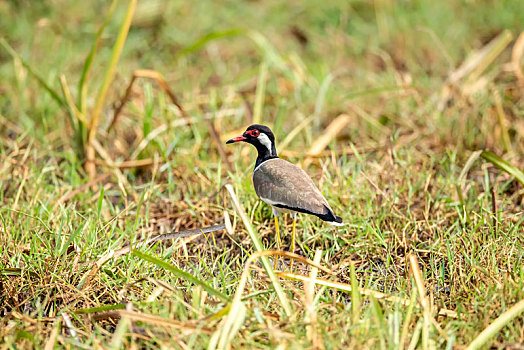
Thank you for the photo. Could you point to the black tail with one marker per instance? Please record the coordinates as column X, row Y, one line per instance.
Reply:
column 330, row 217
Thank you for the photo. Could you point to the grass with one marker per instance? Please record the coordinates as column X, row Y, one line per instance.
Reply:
column 426, row 171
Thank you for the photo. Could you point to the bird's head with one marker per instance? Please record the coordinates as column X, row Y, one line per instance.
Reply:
column 259, row 136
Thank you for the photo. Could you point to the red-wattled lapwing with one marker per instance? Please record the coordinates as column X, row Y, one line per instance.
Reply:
column 283, row 185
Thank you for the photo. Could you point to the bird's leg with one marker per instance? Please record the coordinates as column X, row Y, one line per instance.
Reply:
column 275, row 214
column 294, row 215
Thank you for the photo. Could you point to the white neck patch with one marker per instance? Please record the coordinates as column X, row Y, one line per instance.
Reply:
column 266, row 142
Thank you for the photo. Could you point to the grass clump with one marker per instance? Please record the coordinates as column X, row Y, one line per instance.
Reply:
column 407, row 115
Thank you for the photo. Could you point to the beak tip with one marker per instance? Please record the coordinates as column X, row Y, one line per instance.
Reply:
column 229, row 141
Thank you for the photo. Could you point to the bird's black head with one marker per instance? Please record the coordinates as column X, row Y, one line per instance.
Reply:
column 262, row 138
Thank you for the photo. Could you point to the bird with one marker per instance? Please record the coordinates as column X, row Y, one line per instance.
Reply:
column 284, row 186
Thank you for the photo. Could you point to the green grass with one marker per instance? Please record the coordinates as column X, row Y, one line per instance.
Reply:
column 403, row 173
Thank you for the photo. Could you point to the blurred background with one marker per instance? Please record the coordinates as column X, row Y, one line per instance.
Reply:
column 388, row 64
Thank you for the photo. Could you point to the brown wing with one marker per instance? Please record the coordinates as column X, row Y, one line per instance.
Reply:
column 280, row 182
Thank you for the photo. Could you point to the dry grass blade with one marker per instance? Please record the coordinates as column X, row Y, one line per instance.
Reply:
column 108, row 78
column 409, row 314
column 123, row 184
column 123, row 101
column 416, row 336
column 164, row 237
column 25, row 173
column 296, row 130
column 11, row 161
column 173, row 235
column 120, row 332
column 506, row 142
column 355, row 293
column 493, row 50
column 426, row 305
column 419, row 281
column 516, row 56
column 258, row 246
column 50, row 343
column 159, row 78
column 297, row 257
column 165, row 127
column 473, row 67
column 227, row 222
column 369, row 119
column 237, row 311
column 344, row 287
column 69, row 325
column 219, row 144
column 230, row 325
column 153, row 320
column 137, row 163
column 469, row 163
column 160, row 321
column 69, row 99
column 329, row 134
column 496, row 326
column 479, row 60
column 82, row 188
column 311, row 314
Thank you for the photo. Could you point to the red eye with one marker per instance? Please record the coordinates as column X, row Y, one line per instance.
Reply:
column 255, row 133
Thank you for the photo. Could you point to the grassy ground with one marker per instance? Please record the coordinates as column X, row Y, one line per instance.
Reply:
column 413, row 106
